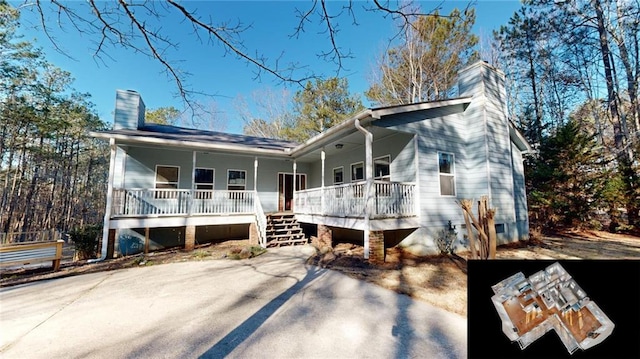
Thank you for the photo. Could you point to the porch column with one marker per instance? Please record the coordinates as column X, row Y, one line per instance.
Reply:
column 194, row 157
column 377, row 246
column 189, row 237
column 254, row 236
column 108, row 207
column 255, row 174
column 324, row 238
column 368, row 209
column 295, row 182
column 322, row 157
column 111, row 243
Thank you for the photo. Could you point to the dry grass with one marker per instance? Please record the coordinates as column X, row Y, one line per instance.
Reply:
column 442, row 280
column 439, row 280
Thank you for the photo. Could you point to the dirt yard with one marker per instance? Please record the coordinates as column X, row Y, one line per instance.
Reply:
column 439, row 280
column 442, row 280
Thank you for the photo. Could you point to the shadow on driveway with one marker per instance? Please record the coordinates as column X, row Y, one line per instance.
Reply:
column 243, row 331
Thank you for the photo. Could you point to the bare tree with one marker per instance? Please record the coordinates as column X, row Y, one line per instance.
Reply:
column 424, row 66
column 137, row 25
column 268, row 114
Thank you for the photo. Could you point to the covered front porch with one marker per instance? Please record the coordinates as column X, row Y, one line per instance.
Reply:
column 383, row 200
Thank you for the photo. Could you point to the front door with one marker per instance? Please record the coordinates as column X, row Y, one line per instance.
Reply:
column 285, row 189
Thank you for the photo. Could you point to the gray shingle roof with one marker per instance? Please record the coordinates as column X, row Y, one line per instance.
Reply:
column 195, row 135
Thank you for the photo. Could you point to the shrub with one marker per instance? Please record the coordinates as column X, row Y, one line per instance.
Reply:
column 245, row 252
column 446, row 239
column 85, row 240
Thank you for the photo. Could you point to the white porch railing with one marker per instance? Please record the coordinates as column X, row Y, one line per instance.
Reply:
column 261, row 222
column 145, row 202
column 390, row 199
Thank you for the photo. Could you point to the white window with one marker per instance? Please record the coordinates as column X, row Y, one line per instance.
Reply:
column 338, row 175
column 357, row 172
column 236, row 180
column 204, row 178
column 167, row 177
column 382, row 168
column 446, row 169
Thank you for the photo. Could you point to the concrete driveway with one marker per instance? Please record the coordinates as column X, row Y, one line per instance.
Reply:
column 273, row 306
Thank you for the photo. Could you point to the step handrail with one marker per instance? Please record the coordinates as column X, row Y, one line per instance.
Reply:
column 261, row 221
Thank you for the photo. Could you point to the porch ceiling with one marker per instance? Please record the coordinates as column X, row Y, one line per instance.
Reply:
column 349, row 141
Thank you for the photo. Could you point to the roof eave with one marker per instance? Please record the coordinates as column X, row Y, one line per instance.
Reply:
column 393, row 110
column 519, row 140
column 240, row 149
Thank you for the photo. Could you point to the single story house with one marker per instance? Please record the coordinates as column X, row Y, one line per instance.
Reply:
column 388, row 176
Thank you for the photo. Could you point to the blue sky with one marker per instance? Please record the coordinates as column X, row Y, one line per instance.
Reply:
column 271, row 25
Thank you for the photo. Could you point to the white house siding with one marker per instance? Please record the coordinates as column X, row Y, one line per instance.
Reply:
column 118, row 172
column 488, row 106
column 444, row 130
column 436, row 130
column 499, row 146
column 520, row 195
column 398, row 145
column 129, row 112
column 141, row 162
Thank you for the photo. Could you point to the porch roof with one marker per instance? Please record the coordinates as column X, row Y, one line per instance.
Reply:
column 156, row 134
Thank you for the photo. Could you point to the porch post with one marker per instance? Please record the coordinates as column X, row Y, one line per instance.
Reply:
column 255, row 174
column 107, row 210
column 322, row 157
column 295, row 182
column 193, row 181
column 369, row 183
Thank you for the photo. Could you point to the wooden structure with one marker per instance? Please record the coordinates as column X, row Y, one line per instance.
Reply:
column 31, row 252
column 485, row 226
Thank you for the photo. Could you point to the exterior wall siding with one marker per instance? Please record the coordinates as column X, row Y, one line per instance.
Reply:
column 399, row 146
column 487, row 88
column 141, row 162
column 443, row 130
column 520, row 195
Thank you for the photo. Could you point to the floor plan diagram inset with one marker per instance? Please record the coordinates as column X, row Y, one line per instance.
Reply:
column 549, row 299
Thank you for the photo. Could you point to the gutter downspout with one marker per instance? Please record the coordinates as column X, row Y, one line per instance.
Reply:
column 107, row 210
column 369, row 184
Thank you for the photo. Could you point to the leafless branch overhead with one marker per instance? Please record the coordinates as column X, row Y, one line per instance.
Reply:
column 137, row 25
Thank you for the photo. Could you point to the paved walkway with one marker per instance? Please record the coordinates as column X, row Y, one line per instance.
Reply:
column 273, row 306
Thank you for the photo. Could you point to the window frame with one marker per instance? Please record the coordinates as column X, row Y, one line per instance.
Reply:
column 450, row 175
column 244, row 186
column 341, row 168
column 213, row 179
column 385, row 177
column 361, row 163
column 156, row 182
